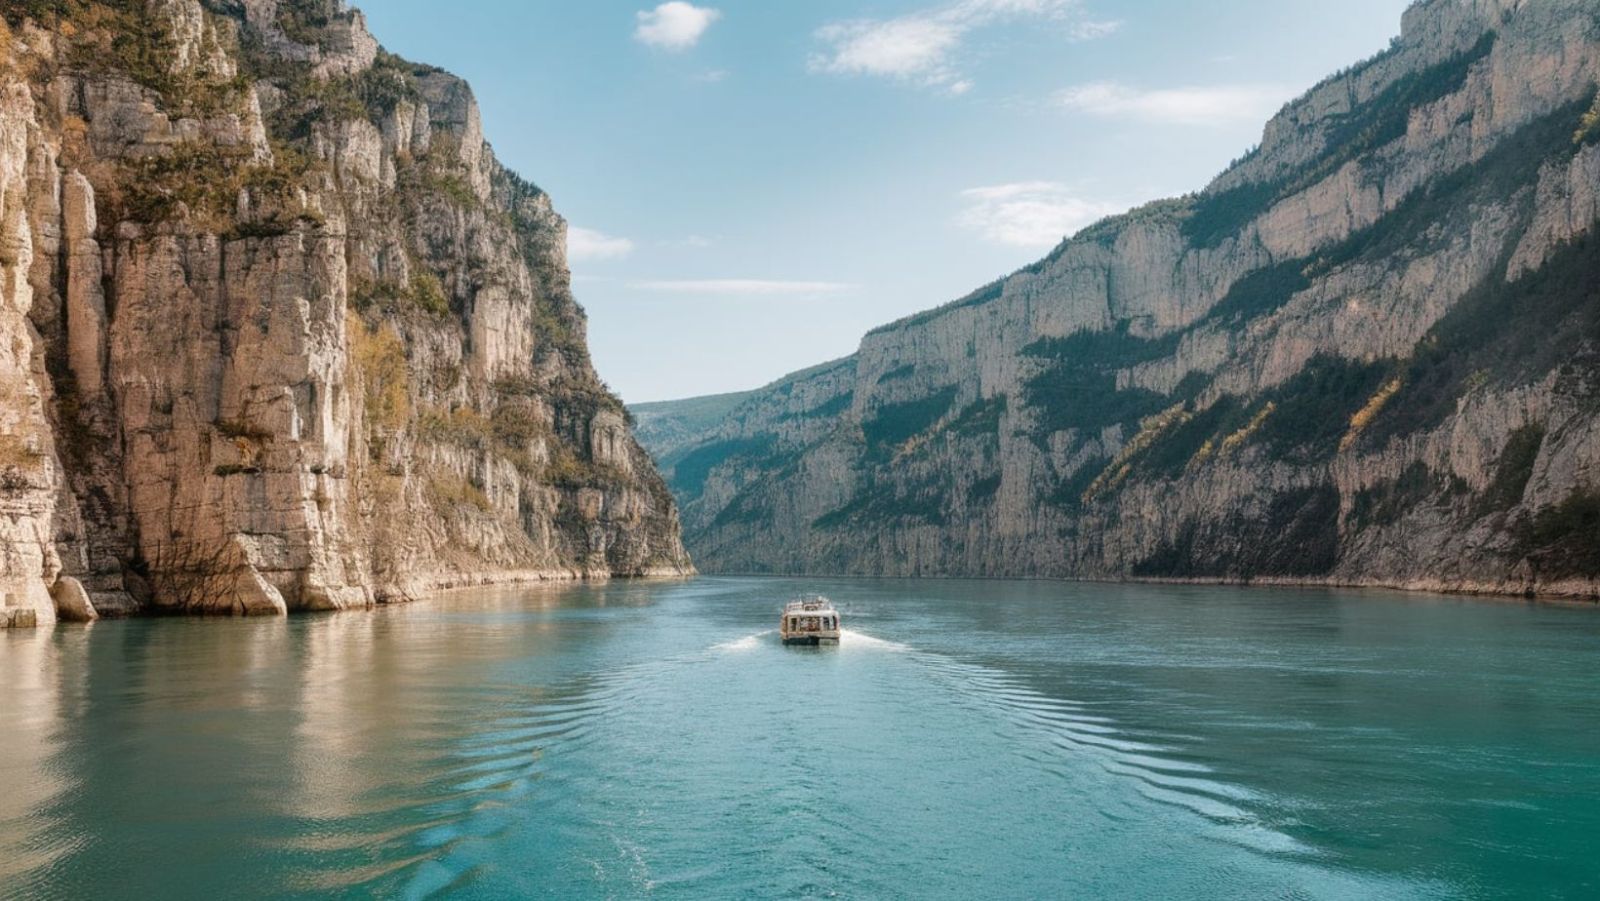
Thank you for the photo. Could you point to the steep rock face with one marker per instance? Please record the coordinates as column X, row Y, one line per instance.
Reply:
column 279, row 332
column 1365, row 354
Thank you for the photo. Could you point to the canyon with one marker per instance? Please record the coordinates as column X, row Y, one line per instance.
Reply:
column 1368, row 353
column 278, row 332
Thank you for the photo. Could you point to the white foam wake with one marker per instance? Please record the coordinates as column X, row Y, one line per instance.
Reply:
column 747, row 643
column 852, row 638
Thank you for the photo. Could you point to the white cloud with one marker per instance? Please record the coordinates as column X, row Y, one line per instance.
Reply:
column 923, row 46
column 743, row 287
column 1034, row 214
column 588, row 245
column 912, row 46
column 1213, row 105
column 1095, row 30
column 675, row 25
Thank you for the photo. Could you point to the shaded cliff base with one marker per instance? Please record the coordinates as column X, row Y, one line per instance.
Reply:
column 1578, row 592
column 1574, row 592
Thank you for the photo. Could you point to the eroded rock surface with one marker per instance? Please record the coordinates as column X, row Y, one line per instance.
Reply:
column 278, row 332
column 1366, row 354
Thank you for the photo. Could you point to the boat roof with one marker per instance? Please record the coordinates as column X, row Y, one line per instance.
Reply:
column 809, row 605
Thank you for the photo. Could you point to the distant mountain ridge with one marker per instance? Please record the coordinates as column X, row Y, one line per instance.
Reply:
column 1367, row 353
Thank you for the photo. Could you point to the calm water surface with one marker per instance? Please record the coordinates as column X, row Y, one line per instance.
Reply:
column 965, row 740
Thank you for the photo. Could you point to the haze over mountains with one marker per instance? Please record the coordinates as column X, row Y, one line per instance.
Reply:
column 1366, row 353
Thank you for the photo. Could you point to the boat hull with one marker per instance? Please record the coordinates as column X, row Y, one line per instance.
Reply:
column 811, row 639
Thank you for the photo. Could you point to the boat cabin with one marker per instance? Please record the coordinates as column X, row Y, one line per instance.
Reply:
column 809, row 621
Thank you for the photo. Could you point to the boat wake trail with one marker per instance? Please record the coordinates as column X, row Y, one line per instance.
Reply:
column 747, row 643
column 1074, row 735
column 848, row 638
column 852, row 638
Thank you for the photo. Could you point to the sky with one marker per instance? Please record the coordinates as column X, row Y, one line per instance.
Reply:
column 751, row 185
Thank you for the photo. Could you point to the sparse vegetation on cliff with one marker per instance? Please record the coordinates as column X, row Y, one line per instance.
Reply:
column 1563, row 541
column 257, row 225
column 1588, row 125
column 201, row 183
column 378, row 358
column 1366, row 128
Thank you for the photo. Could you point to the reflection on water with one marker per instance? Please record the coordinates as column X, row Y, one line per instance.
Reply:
column 961, row 740
column 29, row 677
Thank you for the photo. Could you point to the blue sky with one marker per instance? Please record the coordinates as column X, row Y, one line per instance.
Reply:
column 753, row 184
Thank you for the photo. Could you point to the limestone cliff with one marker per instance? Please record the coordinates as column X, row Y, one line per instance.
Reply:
column 278, row 332
column 1368, row 353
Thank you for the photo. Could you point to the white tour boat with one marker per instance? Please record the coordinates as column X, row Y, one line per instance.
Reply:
column 809, row 620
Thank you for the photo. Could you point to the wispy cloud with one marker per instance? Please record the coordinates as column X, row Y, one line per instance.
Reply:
column 1209, row 105
column 1034, row 214
column 923, row 46
column 743, row 287
column 587, row 245
column 1094, row 30
column 675, row 25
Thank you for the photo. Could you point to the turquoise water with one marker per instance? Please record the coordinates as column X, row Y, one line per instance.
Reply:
column 965, row 740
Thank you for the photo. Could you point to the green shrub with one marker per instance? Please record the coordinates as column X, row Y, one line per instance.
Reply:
column 1367, row 127
column 427, row 292
column 1069, row 492
column 1513, row 470
column 893, row 424
column 449, row 491
column 1297, row 535
column 898, row 373
column 1070, row 397
column 981, row 418
column 1172, row 455
column 1564, row 540
column 1388, row 502
column 984, row 490
column 1501, row 334
column 515, row 426
column 1588, row 125
column 204, row 180
column 883, row 501
column 462, row 427
column 1260, row 293
column 829, row 408
column 197, row 176
column 752, row 505
column 378, row 356
column 1078, row 388
column 689, row 474
column 516, row 386
column 1313, row 409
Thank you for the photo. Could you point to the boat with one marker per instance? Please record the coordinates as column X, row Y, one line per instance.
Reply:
column 809, row 620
